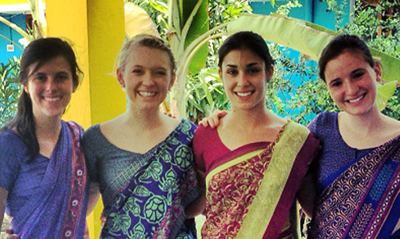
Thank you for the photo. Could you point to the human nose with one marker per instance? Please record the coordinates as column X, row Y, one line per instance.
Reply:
column 351, row 88
column 242, row 79
column 147, row 78
column 50, row 84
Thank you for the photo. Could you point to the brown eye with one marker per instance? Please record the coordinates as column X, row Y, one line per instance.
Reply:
column 232, row 72
column 358, row 75
column 336, row 84
column 253, row 70
column 62, row 77
column 162, row 73
column 40, row 77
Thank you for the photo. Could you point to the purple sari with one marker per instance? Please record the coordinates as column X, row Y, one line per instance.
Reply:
column 362, row 199
column 54, row 204
column 163, row 182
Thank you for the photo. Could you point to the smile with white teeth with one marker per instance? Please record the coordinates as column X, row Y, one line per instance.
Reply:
column 357, row 99
column 243, row 93
column 145, row 93
column 52, row 99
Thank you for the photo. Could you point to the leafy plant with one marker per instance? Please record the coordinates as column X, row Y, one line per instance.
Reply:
column 9, row 90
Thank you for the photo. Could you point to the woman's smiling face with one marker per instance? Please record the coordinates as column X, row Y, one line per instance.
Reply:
column 147, row 77
column 244, row 77
column 50, row 88
column 351, row 82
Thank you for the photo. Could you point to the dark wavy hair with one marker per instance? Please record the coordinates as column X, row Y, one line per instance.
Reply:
column 246, row 40
column 39, row 51
column 340, row 44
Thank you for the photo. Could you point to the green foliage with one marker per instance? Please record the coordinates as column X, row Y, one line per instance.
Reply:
column 296, row 100
column 223, row 11
column 204, row 91
column 366, row 24
column 284, row 9
column 157, row 10
column 9, row 90
column 204, row 94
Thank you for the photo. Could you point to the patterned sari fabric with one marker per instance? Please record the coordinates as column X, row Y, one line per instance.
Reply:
column 250, row 192
column 57, row 201
column 163, row 182
column 362, row 199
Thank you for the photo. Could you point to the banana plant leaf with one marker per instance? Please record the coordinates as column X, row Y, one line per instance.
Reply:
column 137, row 21
column 194, row 22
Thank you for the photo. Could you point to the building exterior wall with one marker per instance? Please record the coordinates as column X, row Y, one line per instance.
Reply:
column 10, row 37
column 312, row 10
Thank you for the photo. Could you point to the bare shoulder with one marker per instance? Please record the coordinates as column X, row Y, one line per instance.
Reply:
column 111, row 126
column 277, row 122
column 393, row 127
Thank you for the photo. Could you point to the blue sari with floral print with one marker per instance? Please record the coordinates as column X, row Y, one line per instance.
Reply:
column 163, row 183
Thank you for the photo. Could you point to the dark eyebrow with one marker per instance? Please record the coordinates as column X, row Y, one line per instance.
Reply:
column 252, row 64
column 357, row 71
column 334, row 80
column 247, row 66
column 161, row 68
column 63, row 72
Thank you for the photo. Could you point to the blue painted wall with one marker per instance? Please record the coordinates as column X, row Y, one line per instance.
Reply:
column 312, row 10
column 19, row 20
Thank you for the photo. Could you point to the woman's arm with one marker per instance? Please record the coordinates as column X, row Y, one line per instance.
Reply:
column 197, row 207
column 3, row 198
column 94, row 193
column 307, row 193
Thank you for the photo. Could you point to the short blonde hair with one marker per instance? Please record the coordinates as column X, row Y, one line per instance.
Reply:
column 146, row 40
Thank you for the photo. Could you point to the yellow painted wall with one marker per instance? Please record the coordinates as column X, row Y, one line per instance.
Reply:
column 12, row 2
column 97, row 29
column 68, row 19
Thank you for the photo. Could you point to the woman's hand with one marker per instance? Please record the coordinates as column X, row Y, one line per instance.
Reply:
column 213, row 119
column 10, row 234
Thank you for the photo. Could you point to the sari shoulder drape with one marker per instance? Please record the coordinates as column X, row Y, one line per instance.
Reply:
column 362, row 201
column 250, row 195
column 56, row 206
column 12, row 155
column 162, row 182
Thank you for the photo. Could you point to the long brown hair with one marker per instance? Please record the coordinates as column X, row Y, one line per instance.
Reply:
column 39, row 51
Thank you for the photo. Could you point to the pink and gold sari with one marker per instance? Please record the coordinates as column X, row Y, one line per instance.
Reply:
column 250, row 191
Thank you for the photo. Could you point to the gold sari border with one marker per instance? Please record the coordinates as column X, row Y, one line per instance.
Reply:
column 261, row 210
